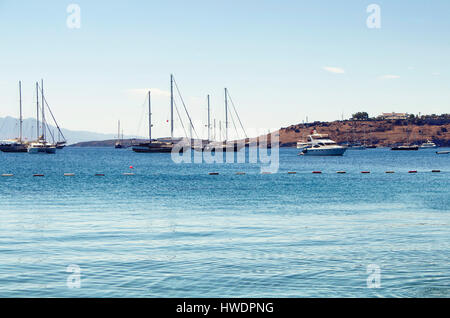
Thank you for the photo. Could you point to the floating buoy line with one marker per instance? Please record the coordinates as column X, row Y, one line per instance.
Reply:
column 217, row 173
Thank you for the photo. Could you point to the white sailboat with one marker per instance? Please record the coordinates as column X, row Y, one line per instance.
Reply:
column 41, row 146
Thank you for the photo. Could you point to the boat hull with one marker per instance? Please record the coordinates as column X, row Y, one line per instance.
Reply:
column 220, row 148
column 428, row 147
column 13, row 148
column 413, row 148
column 324, row 152
column 154, row 148
column 42, row 150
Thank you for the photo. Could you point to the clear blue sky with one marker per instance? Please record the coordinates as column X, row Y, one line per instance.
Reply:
column 281, row 60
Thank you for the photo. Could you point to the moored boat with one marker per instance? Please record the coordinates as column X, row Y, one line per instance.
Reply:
column 405, row 147
column 322, row 145
column 428, row 144
column 41, row 147
column 16, row 145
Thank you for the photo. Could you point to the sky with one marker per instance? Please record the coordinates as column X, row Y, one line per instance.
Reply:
column 282, row 61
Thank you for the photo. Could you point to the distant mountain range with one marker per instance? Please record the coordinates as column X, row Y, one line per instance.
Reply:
column 9, row 128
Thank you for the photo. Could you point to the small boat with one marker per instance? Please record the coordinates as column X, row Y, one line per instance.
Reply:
column 406, row 147
column 13, row 145
column 60, row 145
column 356, row 146
column 371, row 147
column 224, row 146
column 41, row 146
column 442, row 152
column 322, row 145
column 428, row 144
column 153, row 145
column 16, row 145
column 118, row 144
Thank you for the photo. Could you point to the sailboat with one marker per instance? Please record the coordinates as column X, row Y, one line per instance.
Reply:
column 222, row 145
column 154, row 146
column 41, row 145
column 406, row 146
column 118, row 144
column 16, row 145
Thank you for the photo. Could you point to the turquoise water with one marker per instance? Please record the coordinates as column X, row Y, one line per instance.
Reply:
column 175, row 231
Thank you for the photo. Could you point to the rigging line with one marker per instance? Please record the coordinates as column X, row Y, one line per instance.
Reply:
column 234, row 124
column 184, row 105
column 51, row 113
column 141, row 117
column 49, row 130
column 181, row 120
column 234, row 107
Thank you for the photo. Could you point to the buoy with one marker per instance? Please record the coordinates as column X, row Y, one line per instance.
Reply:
column 365, row 172
column 213, row 173
column 69, row 174
column 7, row 175
column 436, row 171
column 99, row 175
column 317, row 172
column 412, row 171
column 292, row 172
column 131, row 167
column 341, row 172
column 38, row 175
column 240, row 173
column 390, row 171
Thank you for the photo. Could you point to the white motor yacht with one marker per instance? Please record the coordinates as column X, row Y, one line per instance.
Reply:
column 322, row 145
column 428, row 144
column 41, row 146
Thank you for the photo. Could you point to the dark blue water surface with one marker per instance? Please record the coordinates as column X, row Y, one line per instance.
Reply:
column 172, row 230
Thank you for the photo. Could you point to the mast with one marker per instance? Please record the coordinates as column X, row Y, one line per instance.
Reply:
column 226, row 114
column 118, row 131
column 43, row 109
column 171, row 106
column 37, row 110
column 215, row 137
column 149, row 117
column 20, row 118
column 209, row 121
column 220, row 130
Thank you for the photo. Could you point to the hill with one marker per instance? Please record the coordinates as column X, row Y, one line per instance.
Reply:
column 383, row 133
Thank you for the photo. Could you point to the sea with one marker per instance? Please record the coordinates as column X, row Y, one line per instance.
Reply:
column 151, row 227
